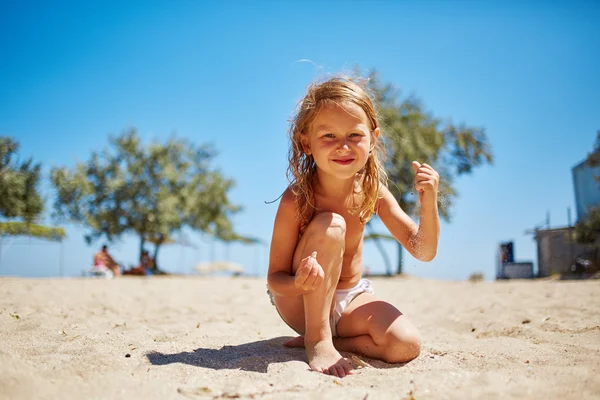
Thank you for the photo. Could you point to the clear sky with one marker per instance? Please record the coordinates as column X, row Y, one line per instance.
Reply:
column 229, row 73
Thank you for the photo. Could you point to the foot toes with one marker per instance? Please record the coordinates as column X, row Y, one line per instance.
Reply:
column 348, row 368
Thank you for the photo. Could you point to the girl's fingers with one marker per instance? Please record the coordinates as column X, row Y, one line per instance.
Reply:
column 416, row 165
column 307, row 274
column 313, row 277
column 302, row 273
column 426, row 177
column 424, row 185
column 316, row 276
column 426, row 168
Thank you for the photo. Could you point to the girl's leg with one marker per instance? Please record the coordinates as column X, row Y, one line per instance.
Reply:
column 376, row 329
column 310, row 315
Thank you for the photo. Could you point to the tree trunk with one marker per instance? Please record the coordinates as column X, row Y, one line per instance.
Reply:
column 156, row 248
column 384, row 255
column 400, row 263
column 142, row 243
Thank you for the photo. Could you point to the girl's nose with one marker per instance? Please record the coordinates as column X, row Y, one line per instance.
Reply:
column 343, row 147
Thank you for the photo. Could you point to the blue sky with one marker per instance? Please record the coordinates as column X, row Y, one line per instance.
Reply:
column 229, row 74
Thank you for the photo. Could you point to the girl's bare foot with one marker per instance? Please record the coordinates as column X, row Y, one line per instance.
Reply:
column 323, row 357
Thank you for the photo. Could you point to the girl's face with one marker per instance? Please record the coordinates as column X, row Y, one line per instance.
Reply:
column 340, row 140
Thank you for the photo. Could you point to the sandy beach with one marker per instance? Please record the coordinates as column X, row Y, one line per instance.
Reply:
column 213, row 338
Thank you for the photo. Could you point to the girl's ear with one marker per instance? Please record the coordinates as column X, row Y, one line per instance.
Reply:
column 374, row 137
column 376, row 133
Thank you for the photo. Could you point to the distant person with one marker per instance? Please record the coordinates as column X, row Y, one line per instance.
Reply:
column 145, row 266
column 316, row 262
column 104, row 259
column 147, row 262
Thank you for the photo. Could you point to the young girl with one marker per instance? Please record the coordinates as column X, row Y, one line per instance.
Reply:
column 315, row 266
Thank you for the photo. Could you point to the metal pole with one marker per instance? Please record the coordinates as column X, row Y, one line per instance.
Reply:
column 570, row 237
column 256, row 258
column 61, row 259
column 212, row 249
column 266, row 256
column 1, row 240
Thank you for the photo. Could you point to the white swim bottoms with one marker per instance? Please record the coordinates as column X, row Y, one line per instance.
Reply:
column 343, row 297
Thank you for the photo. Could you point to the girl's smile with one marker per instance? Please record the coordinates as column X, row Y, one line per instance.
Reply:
column 344, row 161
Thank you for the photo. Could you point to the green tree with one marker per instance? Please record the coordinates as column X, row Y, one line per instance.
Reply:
column 587, row 230
column 19, row 196
column 411, row 133
column 152, row 191
column 593, row 158
column 21, row 203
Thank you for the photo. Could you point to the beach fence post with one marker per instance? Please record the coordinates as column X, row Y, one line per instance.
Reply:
column 61, row 259
column 1, row 240
column 570, row 237
column 212, row 249
column 256, row 259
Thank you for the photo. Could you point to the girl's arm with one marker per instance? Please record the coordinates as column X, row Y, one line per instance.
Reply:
column 420, row 241
column 286, row 232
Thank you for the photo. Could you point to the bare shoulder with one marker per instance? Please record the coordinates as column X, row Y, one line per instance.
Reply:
column 288, row 202
column 287, row 213
column 288, row 197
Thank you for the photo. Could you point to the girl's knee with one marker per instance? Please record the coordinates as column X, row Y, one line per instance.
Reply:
column 330, row 225
column 401, row 349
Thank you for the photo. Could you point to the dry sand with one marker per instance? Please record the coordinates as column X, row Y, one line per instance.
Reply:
column 209, row 338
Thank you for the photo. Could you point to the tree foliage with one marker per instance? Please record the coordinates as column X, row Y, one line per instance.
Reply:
column 19, row 195
column 588, row 229
column 593, row 158
column 411, row 133
column 16, row 228
column 153, row 191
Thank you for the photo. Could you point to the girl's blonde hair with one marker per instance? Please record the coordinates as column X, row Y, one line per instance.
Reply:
column 302, row 170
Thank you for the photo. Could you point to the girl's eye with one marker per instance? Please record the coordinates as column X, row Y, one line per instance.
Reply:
column 329, row 135
column 355, row 135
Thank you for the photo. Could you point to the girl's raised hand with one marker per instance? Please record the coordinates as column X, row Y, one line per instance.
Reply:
column 309, row 274
column 426, row 179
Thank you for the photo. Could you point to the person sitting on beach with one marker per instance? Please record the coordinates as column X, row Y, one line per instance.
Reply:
column 337, row 183
column 103, row 259
column 144, row 268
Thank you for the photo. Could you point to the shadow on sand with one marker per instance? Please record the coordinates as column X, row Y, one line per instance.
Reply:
column 254, row 356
